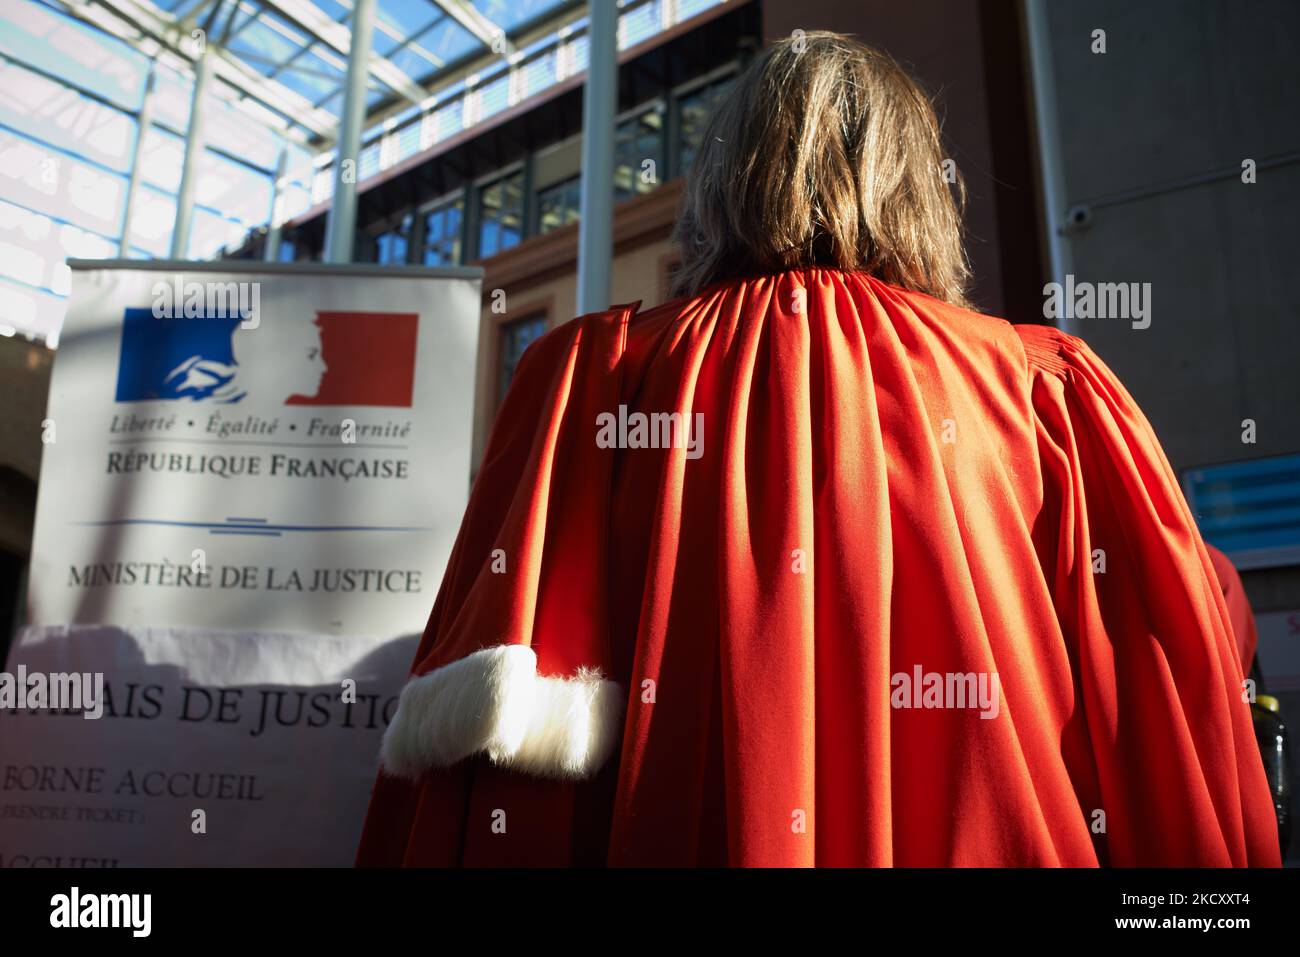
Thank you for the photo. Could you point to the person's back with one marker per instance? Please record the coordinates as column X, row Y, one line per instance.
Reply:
column 807, row 567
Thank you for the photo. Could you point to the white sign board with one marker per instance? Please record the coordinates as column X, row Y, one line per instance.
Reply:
column 215, row 748
column 302, row 471
column 251, row 482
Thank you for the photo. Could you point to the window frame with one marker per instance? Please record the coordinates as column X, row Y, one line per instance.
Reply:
column 424, row 209
column 675, row 96
column 541, row 308
column 661, row 105
column 477, row 186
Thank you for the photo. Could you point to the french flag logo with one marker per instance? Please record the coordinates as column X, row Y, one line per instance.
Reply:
column 331, row 358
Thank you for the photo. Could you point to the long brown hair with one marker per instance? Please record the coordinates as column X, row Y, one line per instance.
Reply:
column 824, row 153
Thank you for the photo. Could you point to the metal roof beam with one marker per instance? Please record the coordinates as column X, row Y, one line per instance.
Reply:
column 298, row 109
column 487, row 32
column 564, row 16
column 309, row 18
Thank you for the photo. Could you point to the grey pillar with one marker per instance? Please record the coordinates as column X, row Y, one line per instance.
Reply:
column 341, row 226
column 1051, row 173
column 271, row 252
column 193, row 150
column 596, row 205
column 143, row 119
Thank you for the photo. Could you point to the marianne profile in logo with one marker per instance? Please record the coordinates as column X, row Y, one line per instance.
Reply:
column 211, row 359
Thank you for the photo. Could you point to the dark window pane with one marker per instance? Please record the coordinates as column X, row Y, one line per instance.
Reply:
column 636, row 141
column 442, row 234
column 558, row 205
column 515, row 338
column 501, row 215
column 696, row 108
column 390, row 247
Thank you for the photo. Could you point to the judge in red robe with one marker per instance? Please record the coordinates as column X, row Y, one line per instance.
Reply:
column 815, row 566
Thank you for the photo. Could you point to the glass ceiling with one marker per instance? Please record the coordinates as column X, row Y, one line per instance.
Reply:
column 437, row 66
column 295, row 52
column 94, row 91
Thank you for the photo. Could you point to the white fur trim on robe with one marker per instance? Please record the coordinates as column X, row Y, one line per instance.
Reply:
column 494, row 702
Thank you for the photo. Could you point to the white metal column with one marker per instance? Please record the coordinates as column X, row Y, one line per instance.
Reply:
column 143, row 120
column 272, row 251
column 596, row 207
column 193, row 151
column 341, row 226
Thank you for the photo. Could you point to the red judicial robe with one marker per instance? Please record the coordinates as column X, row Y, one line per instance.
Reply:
column 724, row 653
column 1240, row 615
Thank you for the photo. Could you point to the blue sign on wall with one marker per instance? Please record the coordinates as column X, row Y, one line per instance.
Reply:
column 1249, row 510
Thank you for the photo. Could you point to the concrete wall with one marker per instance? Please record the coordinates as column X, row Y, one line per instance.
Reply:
column 1153, row 134
column 1185, row 90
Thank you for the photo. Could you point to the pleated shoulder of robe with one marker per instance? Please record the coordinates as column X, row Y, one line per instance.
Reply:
column 811, row 570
